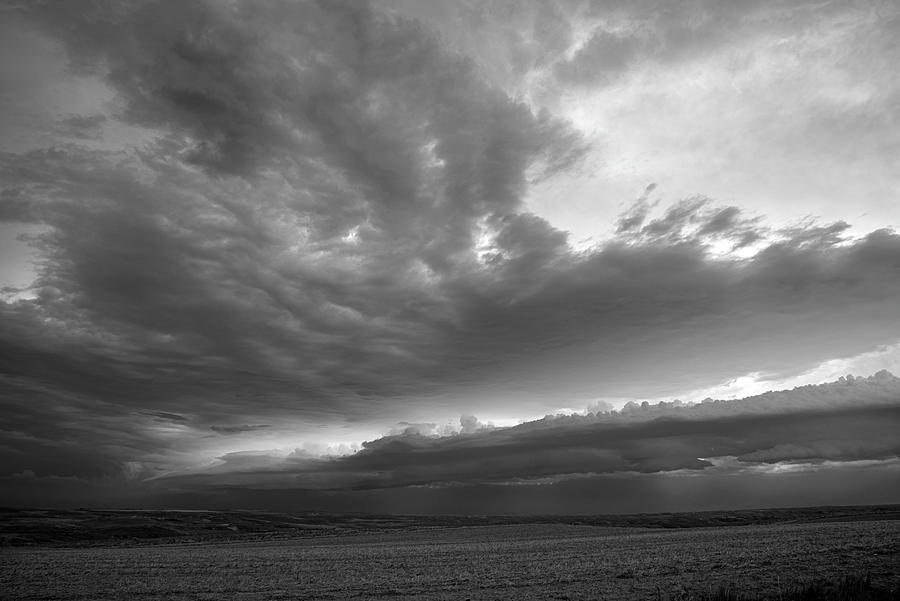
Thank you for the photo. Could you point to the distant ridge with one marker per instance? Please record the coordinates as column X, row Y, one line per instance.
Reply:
column 103, row 527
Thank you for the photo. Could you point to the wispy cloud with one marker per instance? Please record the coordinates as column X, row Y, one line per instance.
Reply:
column 238, row 429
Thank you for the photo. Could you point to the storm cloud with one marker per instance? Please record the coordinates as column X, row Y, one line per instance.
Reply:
column 851, row 420
column 326, row 224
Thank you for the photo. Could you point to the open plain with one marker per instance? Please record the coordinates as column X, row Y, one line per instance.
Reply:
column 491, row 561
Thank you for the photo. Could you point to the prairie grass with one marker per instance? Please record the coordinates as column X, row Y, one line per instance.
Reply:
column 849, row 588
column 529, row 562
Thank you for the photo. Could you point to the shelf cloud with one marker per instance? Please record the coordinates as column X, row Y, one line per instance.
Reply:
column 848, row 421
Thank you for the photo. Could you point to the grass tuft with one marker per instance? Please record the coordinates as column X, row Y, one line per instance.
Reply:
column 849, row 588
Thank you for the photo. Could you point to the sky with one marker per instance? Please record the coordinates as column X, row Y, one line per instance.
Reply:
column 449, row 257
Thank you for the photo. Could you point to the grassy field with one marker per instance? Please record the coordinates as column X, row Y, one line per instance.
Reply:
column 511, row 561
column 847, row 588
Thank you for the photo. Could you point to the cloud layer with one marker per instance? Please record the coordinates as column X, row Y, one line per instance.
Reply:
column 834, row 442
column 326, row 223
column 847, row 421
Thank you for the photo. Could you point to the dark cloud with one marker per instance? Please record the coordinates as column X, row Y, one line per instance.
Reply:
column 846, row 421
column 392, row 141
column 326, row 226
column 632, row 306
column 254, row 337
column 238, row 429
column 842, row 484
column 698, row 220
column 634, row 218
column 174, row 417
column 342, row 82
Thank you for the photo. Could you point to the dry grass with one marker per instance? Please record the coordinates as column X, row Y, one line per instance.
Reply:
column 849, row 588
column 533, row 562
